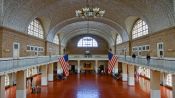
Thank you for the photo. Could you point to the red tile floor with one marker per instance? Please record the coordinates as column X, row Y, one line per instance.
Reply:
column 92, row 86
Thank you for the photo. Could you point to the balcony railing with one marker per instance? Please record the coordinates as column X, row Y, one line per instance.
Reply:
column 11, row 64
column 161, row 64
column 88, row 57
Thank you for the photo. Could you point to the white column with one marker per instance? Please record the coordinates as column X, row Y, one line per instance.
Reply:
column 10, row 79
column 21, row 84
column 78, row 66
column 131, row 79
column 124, row 72
column 155, row 84
column 59, row 69
column 173, row 85
column 44, row 75
column 96, row 66
column 116, row 68
column 2, row 85
column 50, row 72
column 162, row 78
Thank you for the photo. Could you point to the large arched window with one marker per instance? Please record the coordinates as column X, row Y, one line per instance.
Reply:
column 140, row 29
column 119, row 39
column 56, row 40
column 87, row 42
column 35, row 29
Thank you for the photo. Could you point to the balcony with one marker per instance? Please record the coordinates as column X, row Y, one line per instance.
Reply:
column 88, row 57
column 8, row 65
column 160, row 64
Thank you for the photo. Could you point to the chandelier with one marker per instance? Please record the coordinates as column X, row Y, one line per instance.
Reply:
column 87, row 12
column 90, row 12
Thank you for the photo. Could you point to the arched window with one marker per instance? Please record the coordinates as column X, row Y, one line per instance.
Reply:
column 35, row 29
column 87, row 42
column 56, row 40
column 119, row 39
column 140, row 29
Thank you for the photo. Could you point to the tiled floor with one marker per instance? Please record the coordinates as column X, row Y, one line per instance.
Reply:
column 92, row 86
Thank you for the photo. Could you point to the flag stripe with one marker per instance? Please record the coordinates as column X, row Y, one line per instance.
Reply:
column 64, row 65
column 111, row 63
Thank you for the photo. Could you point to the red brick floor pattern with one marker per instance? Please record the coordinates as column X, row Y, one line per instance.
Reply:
column 92, row 86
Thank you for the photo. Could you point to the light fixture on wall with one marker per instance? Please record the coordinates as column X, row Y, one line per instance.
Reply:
column 89, row 11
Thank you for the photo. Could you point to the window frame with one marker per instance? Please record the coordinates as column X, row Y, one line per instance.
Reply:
column 35, row 28
column 85, row 42
column 56, row 39
column 119, row 39
column 140, row 28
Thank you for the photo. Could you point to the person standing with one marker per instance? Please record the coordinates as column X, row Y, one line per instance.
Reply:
column 133, row 57
column 148, row 59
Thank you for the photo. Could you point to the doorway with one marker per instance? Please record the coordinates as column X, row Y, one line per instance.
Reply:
column 160, row 50
column 16, row 49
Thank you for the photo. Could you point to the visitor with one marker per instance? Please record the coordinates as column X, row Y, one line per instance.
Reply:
column 133, row 57
column 31, row 79
column 148, row 59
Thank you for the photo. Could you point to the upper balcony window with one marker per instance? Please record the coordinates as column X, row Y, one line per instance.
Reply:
column 35, row 29
column 87, row 42
column 119, row 39
column 140, row 29
column 56, row 40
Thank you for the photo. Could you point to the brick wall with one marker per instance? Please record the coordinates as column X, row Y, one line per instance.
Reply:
column 120, row 48
column 52, row 48
column 0, row 42
column 10, row 36
column 73, row 49
column 166, row 36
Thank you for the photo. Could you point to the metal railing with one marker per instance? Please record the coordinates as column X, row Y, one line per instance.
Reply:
column 88, row 57
column 11, row 64
column 161, row 64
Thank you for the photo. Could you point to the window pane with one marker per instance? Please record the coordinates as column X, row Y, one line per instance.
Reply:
column 140, row 28
column 35, row 29
column 119, row 39
column 87, row 42
column 56, row 40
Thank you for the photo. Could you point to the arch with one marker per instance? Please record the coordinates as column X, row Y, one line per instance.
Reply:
column 130, row 22
column 35, row 28
column 140, row 28
column 108, row 22
column 87, row 42
column 82, row 32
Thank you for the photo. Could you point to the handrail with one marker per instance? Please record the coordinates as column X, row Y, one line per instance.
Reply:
column 160, row 64
column 15, row 64
column 88, row 57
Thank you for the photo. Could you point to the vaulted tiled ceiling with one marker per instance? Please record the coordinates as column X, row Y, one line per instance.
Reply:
column 58, row 16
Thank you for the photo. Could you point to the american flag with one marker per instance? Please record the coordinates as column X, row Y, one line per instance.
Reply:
column 112, row 61
column 64, row 64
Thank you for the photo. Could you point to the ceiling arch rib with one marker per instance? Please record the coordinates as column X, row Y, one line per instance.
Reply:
column 114, row 27
column 158, row 13
column 104, row 30
column 96, row 32
column 92, row 25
